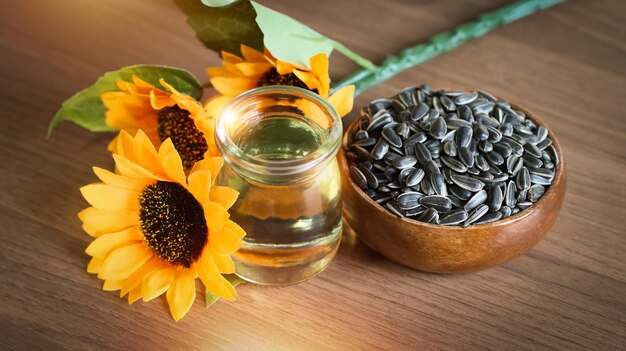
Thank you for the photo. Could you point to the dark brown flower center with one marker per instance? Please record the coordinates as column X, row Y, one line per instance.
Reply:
column 175, row 123
column 272, row 77
column 173, row 222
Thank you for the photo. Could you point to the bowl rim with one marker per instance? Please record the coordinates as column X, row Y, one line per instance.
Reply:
column 558, row 177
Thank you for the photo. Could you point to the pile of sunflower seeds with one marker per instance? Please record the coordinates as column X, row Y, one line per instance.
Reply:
column 450, row 157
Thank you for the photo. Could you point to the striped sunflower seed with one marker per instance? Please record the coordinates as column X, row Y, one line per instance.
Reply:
column 358, row 177
column 467, row 182
column 430, row 215
column 495, row 198
column 476, row 214
column 454, row 217
column 489, row 217
column 478, row 199
column 439, row 203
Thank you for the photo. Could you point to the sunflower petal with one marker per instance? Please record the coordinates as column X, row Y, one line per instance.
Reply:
column 105, row 221
column 251, row 55
column 182, row 293
column 319, row 67
column 311, row 81
column 224, row 264
column 213, row 164
column 112, row 284
column 165, row 149
column 136, row 278
column 130, row 169
column 235, row 228
column 200, row 185
column 123, row 262
column 342, row 100
column 94, row 265
column 250, row 69
column 106, row 243
column 224, row 241
column 233, row 85
column 134, row 295
column 215, row 105
column 157, row 282
column 118, row 180
column 215, row 214
column 106, row 197
column 213, row 281
column 224, row 196
column 174, row 168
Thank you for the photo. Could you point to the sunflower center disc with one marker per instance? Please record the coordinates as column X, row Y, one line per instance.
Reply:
column 173, row 222
column 175, row 123
column 272, row 77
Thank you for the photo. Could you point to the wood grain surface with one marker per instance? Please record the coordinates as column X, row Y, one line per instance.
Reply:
column 567, row 64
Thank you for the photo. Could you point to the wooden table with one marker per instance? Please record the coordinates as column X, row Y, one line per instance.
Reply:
column 567, row 64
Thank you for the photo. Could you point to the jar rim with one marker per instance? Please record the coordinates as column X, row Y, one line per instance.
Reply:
column 233, row 154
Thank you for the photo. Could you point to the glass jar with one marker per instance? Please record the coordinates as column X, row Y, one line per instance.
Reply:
column 279, row 145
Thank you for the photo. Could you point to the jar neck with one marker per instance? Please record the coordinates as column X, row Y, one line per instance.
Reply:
column 278, row 134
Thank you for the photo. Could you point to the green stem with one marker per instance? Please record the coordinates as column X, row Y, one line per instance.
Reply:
column 368, row 77
column 361, row 61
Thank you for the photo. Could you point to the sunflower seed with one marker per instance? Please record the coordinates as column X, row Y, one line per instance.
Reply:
column 438, row 128
column 494, row 199
column 478, row 199
column 481, row 163
column 403, row 130
column 532, row 150
column 494, row 158
column 422, row 153
column 553, row 155
column 362, row 153
column 522, row 180
column 514, row 164
column 465, row 113
column 393, row 208
column 358, row 177
column 409, row 200
column 380, row 150
column 379, row 123
column 476, row 214
column 506, row 129
column 418, row 112
column 510, row 194
column 464, row 136
column 466, row 98
column 404, row 162
column 392, row 137
column 371, row 179
column 462, row 141
column 415, row 177
column 439, row 184
column 440, row 203
column 535, row 192
column 489, row 217
column 429, row 216
column 505, row 211
column 531, row 161
column 426, row 187
column 450, row 148
column 467, row 183
column 485, row 146
column 454, row 217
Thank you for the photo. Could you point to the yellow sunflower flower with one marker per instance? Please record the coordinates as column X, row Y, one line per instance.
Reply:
column 157, row 229
column 256, row 69
column 139, row 105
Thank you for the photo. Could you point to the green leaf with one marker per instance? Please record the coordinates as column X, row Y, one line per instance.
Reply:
column 233, row 279
column 86, row 109
column 289, row 40
column 223, row 28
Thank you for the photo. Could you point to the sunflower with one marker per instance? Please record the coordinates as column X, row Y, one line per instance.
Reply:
column 256, row 69
column 138, row 105
column 157, row 229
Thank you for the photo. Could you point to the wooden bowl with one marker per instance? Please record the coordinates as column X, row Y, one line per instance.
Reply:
column 452, row 249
